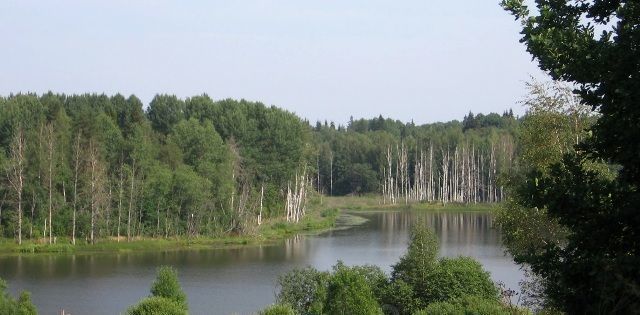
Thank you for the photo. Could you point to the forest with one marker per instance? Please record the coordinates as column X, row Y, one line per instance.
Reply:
column 90, row 167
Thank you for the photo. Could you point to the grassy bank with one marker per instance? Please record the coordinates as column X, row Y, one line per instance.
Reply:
column 321, row 215
column 375, row 202
column 318, row 219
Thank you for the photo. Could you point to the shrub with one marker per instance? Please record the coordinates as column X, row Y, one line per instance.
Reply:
column 305, row 290
column 278, row 309
column 398, row 298
column 416, row 265
column 167, row 286
column 349, row 293
column 375, row 278
column 156, row 305
column 23, row 306
column 454, row 278
column 469, row 305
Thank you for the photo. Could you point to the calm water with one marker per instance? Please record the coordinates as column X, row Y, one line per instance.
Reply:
column 242, row 280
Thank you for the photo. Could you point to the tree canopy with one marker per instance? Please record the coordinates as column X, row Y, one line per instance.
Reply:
column 592, row 192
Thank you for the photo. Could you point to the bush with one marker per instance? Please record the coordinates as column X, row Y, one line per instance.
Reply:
column 23, row 306
column 278, row 309
column 417, row 264
column 167, row 297
column 375, row 278
column 349, row 293
column 454, row 278
column 469, row 305
column 398, row 298
column 167, row 286
column 305, row 290
column 156, row 305
column 442, row 308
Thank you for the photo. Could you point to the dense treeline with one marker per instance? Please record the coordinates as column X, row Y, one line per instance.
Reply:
column 93, row 166
column 447, row 162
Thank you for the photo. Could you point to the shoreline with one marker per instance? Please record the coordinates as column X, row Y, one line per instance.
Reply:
column 322, row 217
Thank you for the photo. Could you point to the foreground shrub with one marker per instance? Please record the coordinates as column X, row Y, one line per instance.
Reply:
column 454, row 278
column 167, row 297
column 156, row 305
column 418, row 280
column 470, row 305
column 416, row 265
column 278, row 309
column 167, row 286
column 349, row 293
column 398, row 298
column 22, row 306
column 376, row 279
column 305, row 290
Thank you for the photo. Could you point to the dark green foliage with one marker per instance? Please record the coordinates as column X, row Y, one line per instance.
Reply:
column 167, row 297
column 374, row 276
column 469, row 305
column 164, row 112
column 156, row 306
column 21, row 306
column 349, row 293
column 167, row 286
column 416, row 266
column 454, row 278
column 596, row 267
column 278, row 309
column 172, row 171
column 418, row 280
column 304, row 289
column 190, row 168
column 398, row 297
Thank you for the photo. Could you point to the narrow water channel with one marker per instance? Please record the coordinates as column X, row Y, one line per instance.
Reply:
column 242, row 280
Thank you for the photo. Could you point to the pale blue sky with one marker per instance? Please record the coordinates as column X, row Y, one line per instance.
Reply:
column 423, row 60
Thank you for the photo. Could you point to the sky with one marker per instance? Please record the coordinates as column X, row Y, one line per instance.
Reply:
column 419, row 60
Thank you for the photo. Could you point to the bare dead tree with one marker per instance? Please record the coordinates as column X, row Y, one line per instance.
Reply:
column 76, row 164
column 49, row 133
column 16, row 172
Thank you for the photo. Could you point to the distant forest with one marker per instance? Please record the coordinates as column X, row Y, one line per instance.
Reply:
column 96, row 166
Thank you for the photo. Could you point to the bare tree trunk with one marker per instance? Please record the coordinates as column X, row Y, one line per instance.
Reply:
column 108, row 209
column 261, row 197
column 133, row 175
column 16, row 173
column 331, row 175
column 75, row 187
column 120, row 192
column 93, row 163
column 33, row 210
column 50, row 148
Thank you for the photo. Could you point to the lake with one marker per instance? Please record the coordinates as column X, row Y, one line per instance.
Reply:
column 242, row 280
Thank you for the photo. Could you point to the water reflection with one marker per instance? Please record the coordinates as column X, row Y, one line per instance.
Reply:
column 242, row 279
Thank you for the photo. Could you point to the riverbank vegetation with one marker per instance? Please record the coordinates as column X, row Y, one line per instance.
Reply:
column 318, row 219
column 98, row 169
